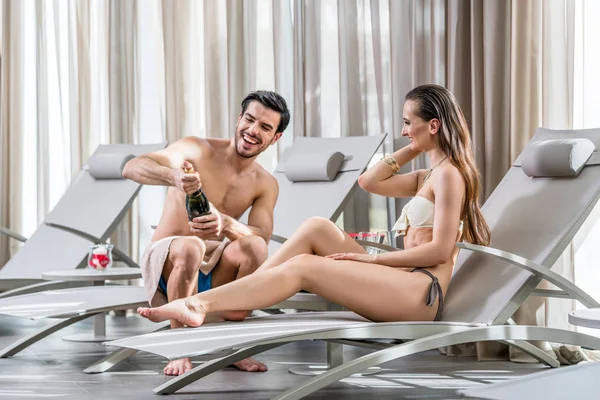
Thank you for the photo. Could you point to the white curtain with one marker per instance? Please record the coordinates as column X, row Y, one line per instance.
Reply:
column 69, row 83
column 12, row 173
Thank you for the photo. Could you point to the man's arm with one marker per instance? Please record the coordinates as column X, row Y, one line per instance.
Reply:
column 164, row 167
column 260, row 220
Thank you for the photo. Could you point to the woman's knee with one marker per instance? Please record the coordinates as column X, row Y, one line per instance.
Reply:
column 318, row 225
column 187, row 252
column 301, row 266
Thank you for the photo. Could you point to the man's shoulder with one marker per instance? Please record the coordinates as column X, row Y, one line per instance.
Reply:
column 204, row 146
column 204, row 142
column 217, row 143
column 267, row 180
column 193, row 142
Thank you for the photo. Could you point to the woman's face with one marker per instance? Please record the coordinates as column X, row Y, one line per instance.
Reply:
column 420, row 132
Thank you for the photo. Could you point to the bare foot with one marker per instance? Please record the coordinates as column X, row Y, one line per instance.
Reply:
column 250, row 365
column 187, row 311
column 178, row 367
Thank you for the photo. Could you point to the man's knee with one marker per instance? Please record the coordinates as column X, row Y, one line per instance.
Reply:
column 236, row 315
column 250, row 250
column 187, row 253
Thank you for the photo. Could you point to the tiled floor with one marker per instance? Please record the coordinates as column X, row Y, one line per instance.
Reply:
column 53, row 368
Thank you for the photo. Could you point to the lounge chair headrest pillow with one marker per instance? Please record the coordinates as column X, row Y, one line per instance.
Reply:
column 561, row 157
column 108, row 165
column 318, row 166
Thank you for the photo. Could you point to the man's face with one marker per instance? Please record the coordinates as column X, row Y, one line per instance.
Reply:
column 256, row 130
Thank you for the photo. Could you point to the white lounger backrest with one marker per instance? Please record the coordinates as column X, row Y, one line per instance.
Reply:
column 94, row 206
column 299, row 201
column 535, row 218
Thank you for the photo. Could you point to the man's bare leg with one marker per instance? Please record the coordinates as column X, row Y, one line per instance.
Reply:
column 181, row 273
column 240, row 258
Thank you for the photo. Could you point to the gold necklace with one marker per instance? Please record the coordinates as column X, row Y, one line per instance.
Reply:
column 431, row 169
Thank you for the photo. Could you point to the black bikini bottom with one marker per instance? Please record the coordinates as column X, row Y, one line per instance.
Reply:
column 434, row 290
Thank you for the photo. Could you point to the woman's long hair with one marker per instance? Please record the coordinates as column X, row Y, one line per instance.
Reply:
column 453, row 137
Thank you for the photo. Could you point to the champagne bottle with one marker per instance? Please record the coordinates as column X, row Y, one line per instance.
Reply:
column 196, row 204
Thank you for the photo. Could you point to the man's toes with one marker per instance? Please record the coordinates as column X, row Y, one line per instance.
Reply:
column 250, row 365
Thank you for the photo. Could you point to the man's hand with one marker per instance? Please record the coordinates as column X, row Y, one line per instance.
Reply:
column 187, row 182
column 366, row 258
column 209, row 226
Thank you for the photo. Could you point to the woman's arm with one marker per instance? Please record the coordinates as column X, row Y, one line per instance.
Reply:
column 449, row 190
column 380, row 178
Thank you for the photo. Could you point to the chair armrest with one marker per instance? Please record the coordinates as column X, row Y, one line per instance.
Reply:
column 75, row 232
column 363, row 243
column 119, row 255
column 536, row 269
column 14, row 235
column 278, row 239
column 380, row 246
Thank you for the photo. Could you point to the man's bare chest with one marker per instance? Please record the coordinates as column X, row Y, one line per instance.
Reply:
column 231, row 194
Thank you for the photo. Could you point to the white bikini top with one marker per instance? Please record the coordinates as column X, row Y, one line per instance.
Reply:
column 418, row 212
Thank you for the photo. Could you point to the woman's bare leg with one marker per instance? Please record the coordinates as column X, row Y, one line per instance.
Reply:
column 374, row 291
column 317, row 236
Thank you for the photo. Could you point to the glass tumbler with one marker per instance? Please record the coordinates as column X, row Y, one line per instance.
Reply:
column 100, row 257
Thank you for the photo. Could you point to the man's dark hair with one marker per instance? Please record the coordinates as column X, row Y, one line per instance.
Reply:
column 271, row 100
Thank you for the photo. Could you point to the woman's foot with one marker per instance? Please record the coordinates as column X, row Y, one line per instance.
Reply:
column 187, row 311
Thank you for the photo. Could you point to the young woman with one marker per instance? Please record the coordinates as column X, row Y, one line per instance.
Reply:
column 404, row 285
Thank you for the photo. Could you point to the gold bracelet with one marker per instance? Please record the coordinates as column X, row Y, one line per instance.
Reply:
column 394, row 162
column 391, row 161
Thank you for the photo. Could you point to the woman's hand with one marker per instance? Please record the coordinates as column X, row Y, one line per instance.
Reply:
column 366, row 258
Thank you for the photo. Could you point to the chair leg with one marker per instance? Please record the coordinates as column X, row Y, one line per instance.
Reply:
column 110, row 361
column 211, row 366
column 518, row 333
column 27, row 341
column 115, row 357
column 534, row 352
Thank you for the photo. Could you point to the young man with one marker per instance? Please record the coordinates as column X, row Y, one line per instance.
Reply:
column 186, row 257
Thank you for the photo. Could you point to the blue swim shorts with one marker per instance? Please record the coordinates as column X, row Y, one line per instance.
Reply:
column 204, row 282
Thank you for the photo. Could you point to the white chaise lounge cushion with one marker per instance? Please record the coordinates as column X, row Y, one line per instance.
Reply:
column 554, row 158
column 108, row 165
column 314, row 166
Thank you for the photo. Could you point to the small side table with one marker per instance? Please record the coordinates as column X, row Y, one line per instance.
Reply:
column 588, row 317
column 98, row 279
